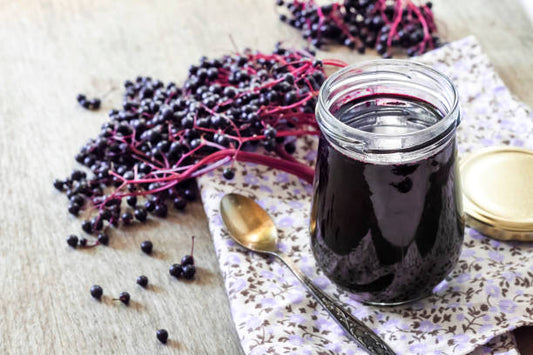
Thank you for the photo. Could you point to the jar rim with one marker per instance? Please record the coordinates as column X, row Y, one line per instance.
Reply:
column 377, row 63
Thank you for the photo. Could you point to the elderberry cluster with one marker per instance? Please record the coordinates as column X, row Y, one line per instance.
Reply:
column 361, row 24
column 186, row 268
column 93, row 104
column 163, row 136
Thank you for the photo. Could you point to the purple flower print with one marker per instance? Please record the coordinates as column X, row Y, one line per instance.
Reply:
column 507, row 306
column 282, row 177
column 509, row 276
column 265, row 188
column 468, row 253
column 296, row 339
column 321, row 282
column 297, row 318
column 295, row 297
column 494, row 255
column 427, row 326
column 492, row 290
column 238, row 285
column 253, row 322
column 268, row 302
column 475, row 234
column 251, row 179
column 418, row 348
column 462, row 278
column 285, row 222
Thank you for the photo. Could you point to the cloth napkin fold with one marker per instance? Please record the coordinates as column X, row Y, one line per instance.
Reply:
column 489, row 293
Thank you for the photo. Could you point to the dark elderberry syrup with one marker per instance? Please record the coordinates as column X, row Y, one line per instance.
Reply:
column 388, row 231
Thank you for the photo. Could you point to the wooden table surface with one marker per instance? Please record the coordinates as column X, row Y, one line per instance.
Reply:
column 50, row 50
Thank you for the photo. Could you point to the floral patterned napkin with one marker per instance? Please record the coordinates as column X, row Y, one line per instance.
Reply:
column 489, row 293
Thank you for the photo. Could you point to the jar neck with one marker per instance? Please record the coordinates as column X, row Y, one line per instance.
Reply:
column 400, row 78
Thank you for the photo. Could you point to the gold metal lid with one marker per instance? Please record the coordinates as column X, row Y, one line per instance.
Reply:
column 498, row 192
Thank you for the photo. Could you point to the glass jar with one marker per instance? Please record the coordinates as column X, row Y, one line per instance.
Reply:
column 386, row 220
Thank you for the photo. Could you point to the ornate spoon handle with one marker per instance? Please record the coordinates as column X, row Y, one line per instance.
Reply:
column 356, row 329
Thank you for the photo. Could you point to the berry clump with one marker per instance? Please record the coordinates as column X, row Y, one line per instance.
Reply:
column 360, row 24
column 93, row 104
column 247, row 107
column 124, row 297
column 186, row 269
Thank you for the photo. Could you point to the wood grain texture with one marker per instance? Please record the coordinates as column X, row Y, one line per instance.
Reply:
column 52, row 49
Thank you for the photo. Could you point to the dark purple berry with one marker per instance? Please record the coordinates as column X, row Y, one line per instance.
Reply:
column 290, row 147
column 124, row 297
column 189, row 271
column 87, row 226
column 161, row 210
column 142, row 281
column 228, row 173
column 149, row 205
column 175, row 270
column 147, row 246
column 97, row 292
column 187, row 260
column 190, row 194
column 73, row 208
column 95, row 103
column 59, row 185
column 180, row 203
column 103, row 239
column 140, row 214
column 131, row 200
column 127, row 218
column 97, row 224
column 162, row 335
column 83, row 242
column 72, row 240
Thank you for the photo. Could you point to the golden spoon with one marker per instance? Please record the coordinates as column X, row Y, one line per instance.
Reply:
column 251, row 226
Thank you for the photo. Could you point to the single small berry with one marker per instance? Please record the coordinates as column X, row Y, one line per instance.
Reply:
column 161, row 210
column 124, row 297
column 140, row 213
column 72, row 240
column 87, row 226
column 95, row 103
column 74, row 208
column 103, row 239
column 180, row 203
column 131, row 200
column 187, row 260
column 175, row 270
column 189, row 271
column 190, row 194
column 127, row 218
column 162, row 335
column 97, row 292
column 147, row 246
column 59, row 185
column 228, row 173
column 142, row 281
column 83, row 242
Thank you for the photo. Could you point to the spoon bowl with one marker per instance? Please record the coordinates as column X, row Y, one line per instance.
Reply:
column 251, row 226
column 248, row 223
